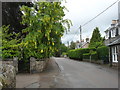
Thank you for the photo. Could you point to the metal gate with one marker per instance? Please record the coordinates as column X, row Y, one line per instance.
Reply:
column 24, row 66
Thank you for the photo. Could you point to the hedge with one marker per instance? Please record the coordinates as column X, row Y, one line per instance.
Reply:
column 74, row 54
column 86, row 56
column 94, row 55
column 103, row 53
column 78, row 53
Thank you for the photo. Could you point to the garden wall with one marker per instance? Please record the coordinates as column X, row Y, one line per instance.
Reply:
column 7, row 76
column 13, row 62
column 38, row 65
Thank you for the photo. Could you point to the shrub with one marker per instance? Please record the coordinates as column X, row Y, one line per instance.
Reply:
column 94, row 56
column 74, row 54
column 103, row 53
column 78, row 53
column 86, row 56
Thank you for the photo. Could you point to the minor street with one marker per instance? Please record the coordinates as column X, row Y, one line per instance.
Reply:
column 87, row 75
column 68, row 73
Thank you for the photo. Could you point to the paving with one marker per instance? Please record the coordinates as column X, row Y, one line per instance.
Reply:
column 50, row 78
column 68, row 73
column 87, row 75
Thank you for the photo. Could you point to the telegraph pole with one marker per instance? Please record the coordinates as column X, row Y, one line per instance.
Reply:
column 80, row 33
column 68, row 43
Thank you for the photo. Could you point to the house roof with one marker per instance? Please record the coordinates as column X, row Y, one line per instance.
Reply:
column 84, row 44
column 114, row 42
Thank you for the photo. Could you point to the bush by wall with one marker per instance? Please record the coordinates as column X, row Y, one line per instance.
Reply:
column 86, row 56
column 78, row 53
column 103, row 54
column 94, row 56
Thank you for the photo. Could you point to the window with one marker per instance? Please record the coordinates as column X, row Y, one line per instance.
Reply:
column 114, row 54
column 113, row 32
column 107, row 35
column 119, row 30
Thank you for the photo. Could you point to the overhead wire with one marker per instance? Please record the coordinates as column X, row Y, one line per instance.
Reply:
column 95, row 17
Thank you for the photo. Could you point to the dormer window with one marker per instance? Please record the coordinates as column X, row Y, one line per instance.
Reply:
column 107, row 35
column 113, row 33
column 119, row 30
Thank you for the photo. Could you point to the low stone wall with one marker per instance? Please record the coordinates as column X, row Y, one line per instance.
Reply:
column 37, row 65
column 94, row 61
column 13, row 62
column 7, row 76
column 115, row 64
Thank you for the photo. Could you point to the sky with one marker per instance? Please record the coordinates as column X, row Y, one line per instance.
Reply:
column 81, row 11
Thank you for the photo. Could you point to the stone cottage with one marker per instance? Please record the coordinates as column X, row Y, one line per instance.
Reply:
column 113, row 41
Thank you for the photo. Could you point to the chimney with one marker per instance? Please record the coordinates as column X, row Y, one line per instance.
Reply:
column 114, row 22
column 82, row 40
column 87, row 39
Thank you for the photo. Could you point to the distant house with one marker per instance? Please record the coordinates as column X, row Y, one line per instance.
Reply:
column 82, row 44
column 112, row 39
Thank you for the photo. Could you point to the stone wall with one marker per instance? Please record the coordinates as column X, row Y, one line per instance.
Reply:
column 37, row 65
column 13, row 62
column 94, row 61
column 7, row 76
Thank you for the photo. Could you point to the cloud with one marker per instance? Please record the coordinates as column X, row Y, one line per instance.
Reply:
column 81, row 11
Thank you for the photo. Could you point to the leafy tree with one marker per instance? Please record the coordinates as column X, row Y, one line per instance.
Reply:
column 9, row 47
column 61, row 49
column 72, row 45
column 96, row 40
column 11, row 15
column 45, row 28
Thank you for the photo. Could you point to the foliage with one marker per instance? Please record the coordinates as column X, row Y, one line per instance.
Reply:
column 45, row 28
column 63, row 48
column 86, row 56
column 9, row 46
column 78, row 53
column 64, row 53
column 96, row 40
column 103, row 53
column 11, row 15
column 94, row 56
column 60, row 50
column 72, row 45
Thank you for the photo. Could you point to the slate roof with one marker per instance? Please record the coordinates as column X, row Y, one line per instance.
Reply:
column 116, row 42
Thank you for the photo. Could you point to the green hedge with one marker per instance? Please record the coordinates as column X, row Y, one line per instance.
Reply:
column 78, row 53
column 86, row 56
column 74, row 54
column 103, row 53
column 94, row 56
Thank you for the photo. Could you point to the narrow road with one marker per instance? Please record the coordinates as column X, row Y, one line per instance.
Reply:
column 87, row 75
column 50, row 78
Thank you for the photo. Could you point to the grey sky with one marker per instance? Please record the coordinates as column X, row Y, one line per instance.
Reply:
column 81, row 11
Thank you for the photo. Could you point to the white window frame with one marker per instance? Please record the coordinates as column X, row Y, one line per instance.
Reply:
column 114, row 54
column 119, row 30
column 113, row 33
column 107, row 34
